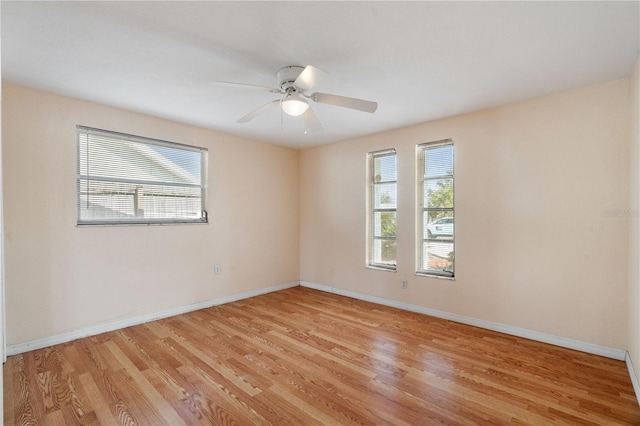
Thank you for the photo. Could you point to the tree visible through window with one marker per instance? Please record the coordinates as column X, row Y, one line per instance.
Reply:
column 382, row 209
column 436, row 196
column 124, row 179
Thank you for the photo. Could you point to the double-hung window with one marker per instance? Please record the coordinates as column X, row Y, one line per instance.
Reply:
column 125, row 179
column 382, row 209
column 436, row 235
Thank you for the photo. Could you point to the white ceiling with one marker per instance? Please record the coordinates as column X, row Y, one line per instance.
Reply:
column 419, row 60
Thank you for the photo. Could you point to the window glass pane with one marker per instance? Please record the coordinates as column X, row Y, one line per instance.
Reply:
column 437, row 257
column 384, row 196
column 384, row 168
column 384, row 252
column 438, row 225
column 116, row 158
column 438, row 161
column 384, row 224
column 438, row 193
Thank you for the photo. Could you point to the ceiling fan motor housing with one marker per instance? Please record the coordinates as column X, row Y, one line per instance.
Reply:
column 287, row 76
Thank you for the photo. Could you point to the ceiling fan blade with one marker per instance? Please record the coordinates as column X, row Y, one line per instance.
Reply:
column 309, row 76
column 256, row 112
column 312, row 122
column 343, row 101
column 245, row 86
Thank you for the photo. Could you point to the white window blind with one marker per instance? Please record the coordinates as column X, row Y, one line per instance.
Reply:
column 436, row 239
column 125, row 179
column 382, row 209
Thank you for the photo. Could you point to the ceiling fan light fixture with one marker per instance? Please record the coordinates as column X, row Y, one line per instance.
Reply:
column 294, row 105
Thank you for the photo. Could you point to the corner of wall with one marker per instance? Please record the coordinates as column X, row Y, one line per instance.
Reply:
column 634, row 225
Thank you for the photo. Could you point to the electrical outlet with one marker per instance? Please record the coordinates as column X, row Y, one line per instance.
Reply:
column 216, row 269
column 403, row 283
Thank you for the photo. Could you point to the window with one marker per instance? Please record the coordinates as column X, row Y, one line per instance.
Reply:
column 382, row 209
column 436, row 240
column 124, row 179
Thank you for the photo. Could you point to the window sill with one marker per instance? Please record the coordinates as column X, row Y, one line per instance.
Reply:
column 380, row 268
column 101, row 225
column 440, row 277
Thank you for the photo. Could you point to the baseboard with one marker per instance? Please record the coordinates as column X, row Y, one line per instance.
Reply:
column 592, row 348
column 606, row 351
column 103, row 328
column 632, row 374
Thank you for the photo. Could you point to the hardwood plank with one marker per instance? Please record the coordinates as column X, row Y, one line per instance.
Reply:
column 31, row 405
column 221, row 405
column 55, row 418
column 151, row 394
column 301, row 356
column 132, row 405
column 94, row 399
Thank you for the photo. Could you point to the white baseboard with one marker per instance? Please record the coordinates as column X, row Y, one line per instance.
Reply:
column 632, row 374
column 103, row 328
column 592, row 348
column 606, row 351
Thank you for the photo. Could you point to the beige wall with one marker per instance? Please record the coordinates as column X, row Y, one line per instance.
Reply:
column 535, row 248
column 61, row 278
column 634, row 228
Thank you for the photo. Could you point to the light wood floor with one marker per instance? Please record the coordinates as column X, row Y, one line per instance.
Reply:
column 302, row 357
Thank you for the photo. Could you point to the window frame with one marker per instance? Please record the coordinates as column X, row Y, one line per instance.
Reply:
column 421, row 210
column 372, row 210
column 146, row 141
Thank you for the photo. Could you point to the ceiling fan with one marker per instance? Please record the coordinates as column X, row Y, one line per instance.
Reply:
column 293, row 84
